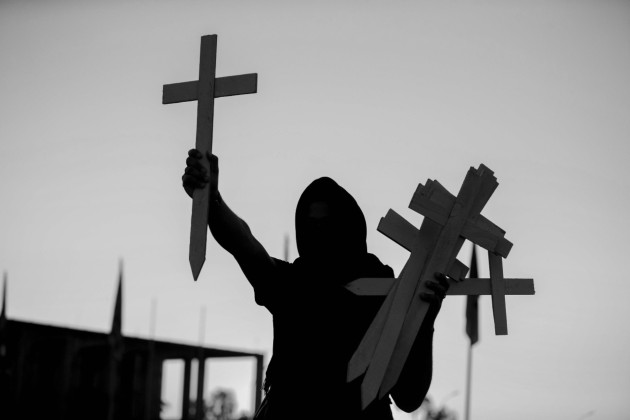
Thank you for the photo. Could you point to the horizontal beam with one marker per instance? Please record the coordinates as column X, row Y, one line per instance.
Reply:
column 179, row 92
column 487, row 235
column 380, row 286
column 241, row 84
column 398, row 229
column 483, row 287
column 435, row 202
column 422, row 203
column 375, row 286
column 497, row 283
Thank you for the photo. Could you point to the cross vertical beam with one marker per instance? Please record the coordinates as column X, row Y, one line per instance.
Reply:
column 497, row 283
column 475, row 192
column 203, row 143
column 204, row 91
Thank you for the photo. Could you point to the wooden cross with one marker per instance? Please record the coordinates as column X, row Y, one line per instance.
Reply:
column 204, row 91
column 448, row 221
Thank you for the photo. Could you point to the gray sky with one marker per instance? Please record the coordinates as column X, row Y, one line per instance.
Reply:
column 380, row 96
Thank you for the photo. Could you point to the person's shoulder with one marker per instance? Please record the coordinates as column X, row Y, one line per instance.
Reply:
column 375, row 266
column 273, row 280
column 281, row 266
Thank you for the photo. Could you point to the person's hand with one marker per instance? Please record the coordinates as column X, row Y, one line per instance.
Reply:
column 196, row 176
column 438, row 288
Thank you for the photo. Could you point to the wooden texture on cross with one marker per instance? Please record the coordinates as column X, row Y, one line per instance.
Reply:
column 448, row 221
column 204, row 91
column 377, row 286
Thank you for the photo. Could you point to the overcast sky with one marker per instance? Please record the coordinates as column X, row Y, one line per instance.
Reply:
column 378, row 95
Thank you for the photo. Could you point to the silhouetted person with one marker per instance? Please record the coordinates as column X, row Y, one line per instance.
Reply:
column 317, row 323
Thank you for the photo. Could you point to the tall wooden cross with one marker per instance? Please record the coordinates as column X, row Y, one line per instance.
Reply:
column 204, row 91
column 448, row 221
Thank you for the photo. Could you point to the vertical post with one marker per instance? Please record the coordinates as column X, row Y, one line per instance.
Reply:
column 205, row 115
column 115, row 339
column 186, row 393
column 200, row 406
column 156, row 399
column 150, row 387
column 259, row 382
column 204, row 91
column 70, row 353
column 111, row 387
column 498, row 294
column 468, row 383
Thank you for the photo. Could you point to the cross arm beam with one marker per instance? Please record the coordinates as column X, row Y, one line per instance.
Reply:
column 398, row 229
column 435, row 202
column 381, row 286
column 483, row 286
column 241, row 84
column 372, row 286
column 497, row 284
column 474, row 193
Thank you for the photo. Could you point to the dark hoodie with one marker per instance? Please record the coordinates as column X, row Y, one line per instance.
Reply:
column 317, row 323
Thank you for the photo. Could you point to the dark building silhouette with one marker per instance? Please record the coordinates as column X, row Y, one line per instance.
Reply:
column 49, row 372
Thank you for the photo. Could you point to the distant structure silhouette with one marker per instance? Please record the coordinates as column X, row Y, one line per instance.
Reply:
column 49, row 372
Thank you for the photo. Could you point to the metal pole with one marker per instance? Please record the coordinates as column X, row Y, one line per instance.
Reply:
column 468, row 383
column 186, row 392
column 201, row 367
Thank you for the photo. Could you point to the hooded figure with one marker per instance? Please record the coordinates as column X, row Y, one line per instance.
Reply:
column 317, row 323
column 335, row 228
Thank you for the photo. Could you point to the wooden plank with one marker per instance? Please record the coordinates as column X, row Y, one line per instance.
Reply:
column 241, row 84
column 411, row 326
column 488, row 239
column 482, row 286
column 429, row 232
column 205, row 117
column 498, row 294
column 478, row 229
column 486, row 224
column 421, row 203
column 363, row 356
column 371, row 286
column 441, row 195
column 457, row 271
column 204, row 91
column 416, row 313
column 431, row 201
column 503, row 248
column 380, row 286
column 398, row 229
column 490, row 185
column 364, row 353
column 471, row 197
column 180, row 92
column 438, row 262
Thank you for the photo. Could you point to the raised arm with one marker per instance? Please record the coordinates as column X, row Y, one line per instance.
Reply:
column 229, row 230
